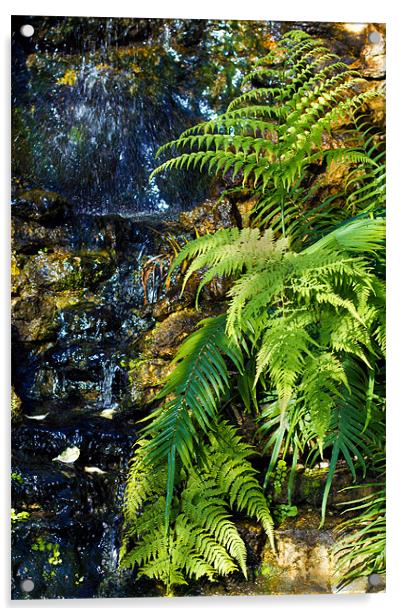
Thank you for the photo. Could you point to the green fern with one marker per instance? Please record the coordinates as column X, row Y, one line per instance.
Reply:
column 202, row 539
column 305, row 314
column 304, row 333
column 272, row 134
column 192, row 392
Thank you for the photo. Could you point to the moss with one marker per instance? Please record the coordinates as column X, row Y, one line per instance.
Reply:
column 165, row 338
column 146, row 379
column 63, row 271
column 35, row 315
column 15, row 406
column 15, row 273
column 312, row 484
column 68, row 79
column 208, row 217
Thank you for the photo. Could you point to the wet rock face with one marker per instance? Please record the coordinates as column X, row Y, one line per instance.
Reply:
column 75, row 299
column 91, row 110
column 43, row 207
column 68, row 544
column 76, row 287
column 88, row 360
column 209, row 217
column 304, row 554
column 82, row 305
column 305, row 558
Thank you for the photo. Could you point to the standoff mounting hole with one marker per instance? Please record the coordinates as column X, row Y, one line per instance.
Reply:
column 374, row 579
column 27, row 30
column 27, row 585
column 374, row 37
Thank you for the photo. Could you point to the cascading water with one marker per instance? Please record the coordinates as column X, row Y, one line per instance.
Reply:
column 92, row 123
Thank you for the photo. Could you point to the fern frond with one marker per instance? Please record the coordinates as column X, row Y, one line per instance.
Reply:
column 194, row 388
column 347, row 434
column 202, row 539
column 357, row 236
column 236, row 477
column 270, row 134
column 320, row 391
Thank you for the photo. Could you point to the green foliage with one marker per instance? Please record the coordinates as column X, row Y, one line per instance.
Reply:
column 300, row 95
column 312, row 318
column 281, row 512
column 280, row 476
column 302, row 344
column 20, row 516
column 17, row 477
column 201, row 538
column 192, row 394
column 46, row 546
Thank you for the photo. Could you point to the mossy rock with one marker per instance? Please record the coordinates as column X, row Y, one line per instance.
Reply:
column 42, row 206
column 245, row 208
column 303, row 553
column 146, row 379
column 29, row 237
column 309, row 486
column 63, row 271
column 49, row 281
column 209, row 217
column 15, row 406
column 165, row 338
column 15, row 273
column 36, row 317
column 157, row 348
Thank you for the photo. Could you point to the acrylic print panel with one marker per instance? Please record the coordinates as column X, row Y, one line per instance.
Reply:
column 198, row 307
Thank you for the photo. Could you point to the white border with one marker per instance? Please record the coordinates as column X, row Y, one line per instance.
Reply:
column 387, row 11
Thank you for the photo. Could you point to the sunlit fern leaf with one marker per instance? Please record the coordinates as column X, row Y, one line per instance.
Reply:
column 320, row 390
column 198, row 542
column 357, row 236
column 202, row 538
column 272, row 133
column 283, row 351
column 192, row 391
column 236, row 477
column 204, row 506
column 347, row 435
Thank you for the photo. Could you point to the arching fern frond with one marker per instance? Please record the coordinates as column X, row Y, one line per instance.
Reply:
column 227, row 464
column 202, row 538
column 273, row 133
column 192, row 391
